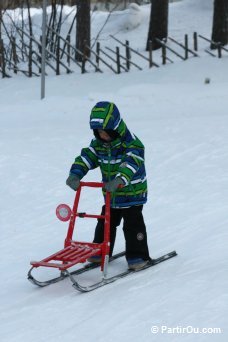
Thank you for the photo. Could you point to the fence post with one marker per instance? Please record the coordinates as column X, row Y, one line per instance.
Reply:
column 84, row 60
column 186, row 45
column 14, row 52
column 97, row 55
column 2, row 59
column 30, row 58
column 128, row 55
column 23, row 48
column 118, row 59
column 219, row 50
column 40, row 54
column 68, row 49
column 163, row 54
column 58, row 57
column 83, row 64
column 150, row 54
column 195, row 41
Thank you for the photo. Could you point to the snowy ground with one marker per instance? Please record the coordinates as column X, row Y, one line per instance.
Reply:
column 183, row 124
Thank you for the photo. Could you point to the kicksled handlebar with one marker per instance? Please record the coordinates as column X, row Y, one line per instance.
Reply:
column 93, row 184
column 97, row 184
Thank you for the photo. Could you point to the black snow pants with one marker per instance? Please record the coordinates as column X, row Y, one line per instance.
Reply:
column 133, row 227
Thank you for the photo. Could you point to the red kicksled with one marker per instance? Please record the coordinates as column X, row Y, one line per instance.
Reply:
column 76, row 252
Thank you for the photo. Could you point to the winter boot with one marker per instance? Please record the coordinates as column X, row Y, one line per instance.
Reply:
column 136, row 264
column 95, row 259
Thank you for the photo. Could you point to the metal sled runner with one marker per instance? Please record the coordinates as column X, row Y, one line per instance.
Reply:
column 76, row 252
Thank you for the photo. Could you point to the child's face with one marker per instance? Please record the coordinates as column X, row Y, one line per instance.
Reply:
column 104, row 135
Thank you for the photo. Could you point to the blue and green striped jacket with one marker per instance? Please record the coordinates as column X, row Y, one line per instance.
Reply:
column 122, row 157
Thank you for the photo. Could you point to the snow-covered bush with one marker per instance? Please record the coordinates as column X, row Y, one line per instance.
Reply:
column 133, row 17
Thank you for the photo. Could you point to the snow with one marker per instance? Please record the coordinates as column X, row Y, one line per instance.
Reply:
column 183, row 124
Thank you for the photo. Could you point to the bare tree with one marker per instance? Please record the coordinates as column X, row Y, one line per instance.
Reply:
column 220, row 23
column 158, row 27
column 83, row 28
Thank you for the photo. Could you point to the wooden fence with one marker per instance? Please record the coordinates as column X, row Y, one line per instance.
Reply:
column 23, row 54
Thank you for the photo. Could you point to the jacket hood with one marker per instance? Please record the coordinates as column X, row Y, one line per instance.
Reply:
column 105, row 115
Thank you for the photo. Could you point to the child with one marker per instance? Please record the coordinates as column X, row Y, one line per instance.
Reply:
column 120, row 156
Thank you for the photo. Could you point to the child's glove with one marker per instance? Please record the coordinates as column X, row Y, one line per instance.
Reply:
column 73, row 182
column 113, row 184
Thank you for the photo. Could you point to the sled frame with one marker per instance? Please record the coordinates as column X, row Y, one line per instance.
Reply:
column 75, row 252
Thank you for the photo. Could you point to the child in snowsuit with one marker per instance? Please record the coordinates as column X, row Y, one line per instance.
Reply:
column 120, row 156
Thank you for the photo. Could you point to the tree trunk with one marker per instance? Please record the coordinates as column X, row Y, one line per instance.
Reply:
column 1, row 21
column 158, row 27
column 83, row 28
column 220, row 23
